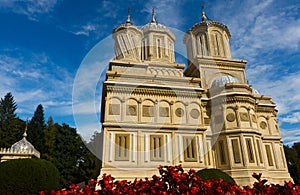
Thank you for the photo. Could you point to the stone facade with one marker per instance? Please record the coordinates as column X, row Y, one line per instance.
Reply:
column 155, row 112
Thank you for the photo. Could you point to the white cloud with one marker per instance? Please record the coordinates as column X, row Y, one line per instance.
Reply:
column 290, row 136
column 30, row 8
column 293, row 118
column 32, row 78
column 86, row 29
column 260, row 27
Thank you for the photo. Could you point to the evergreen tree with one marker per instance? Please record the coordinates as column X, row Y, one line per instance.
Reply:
column 10, row 125
column 293, row 162
column 36, row 129
column 8, row 107
column 89, row 164
column 50, row 136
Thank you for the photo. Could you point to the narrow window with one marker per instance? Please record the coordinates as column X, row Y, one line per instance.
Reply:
column 269, row 155
column 217, row 45
column 205, row 47
column 283, row 157
column 144, row 50
column 250, row 150
column 222, row 152
column 236, row 151
column 259, row 151
column 201, row 46
column 157, row 148
column 158, row 48
column 190, row 149
column 122, row 146
column 208, row 152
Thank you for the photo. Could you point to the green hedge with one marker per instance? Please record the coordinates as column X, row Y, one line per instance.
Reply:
column 27, row 176
column 216, row 174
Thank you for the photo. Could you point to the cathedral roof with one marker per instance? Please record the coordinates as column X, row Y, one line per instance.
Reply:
column 225, row 79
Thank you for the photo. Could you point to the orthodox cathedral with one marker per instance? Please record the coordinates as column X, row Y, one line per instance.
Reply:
column 157, row 112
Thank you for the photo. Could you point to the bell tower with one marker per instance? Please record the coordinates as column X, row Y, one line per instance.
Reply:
column 208, row 38
column 208, row 52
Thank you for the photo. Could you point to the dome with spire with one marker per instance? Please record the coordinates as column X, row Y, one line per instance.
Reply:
column 128, row 39
column 23, row 144
column 205, row 22
column 207, row 38
column 154, row 26
column 128, row 24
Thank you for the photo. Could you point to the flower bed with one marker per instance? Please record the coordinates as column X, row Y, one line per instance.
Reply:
column 173, row 181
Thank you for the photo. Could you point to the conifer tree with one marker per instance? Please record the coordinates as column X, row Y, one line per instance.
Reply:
column 36, row 129
column 10, row 125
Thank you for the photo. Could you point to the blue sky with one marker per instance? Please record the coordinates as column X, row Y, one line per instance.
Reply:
column 43, row 43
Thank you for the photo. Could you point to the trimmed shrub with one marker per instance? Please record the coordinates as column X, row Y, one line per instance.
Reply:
column 216, row 174
column 27, row 176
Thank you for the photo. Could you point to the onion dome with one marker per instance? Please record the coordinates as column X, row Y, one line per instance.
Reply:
column 23, row 144
column 225, row 79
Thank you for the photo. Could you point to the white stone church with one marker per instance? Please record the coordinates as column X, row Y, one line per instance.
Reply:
column 157, row 112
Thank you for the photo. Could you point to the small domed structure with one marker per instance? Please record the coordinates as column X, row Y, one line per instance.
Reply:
column 23, row 145
column 225, row 79
column 19, row 150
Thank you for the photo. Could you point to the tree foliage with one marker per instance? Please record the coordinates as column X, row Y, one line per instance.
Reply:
column 10, row 125
column 59, row 144
column 293, row 161
column 36, row 128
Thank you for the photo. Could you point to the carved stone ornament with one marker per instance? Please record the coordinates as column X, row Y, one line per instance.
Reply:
column 230, row 117
column 131, row 110
column 195, row 113
column 179, row 112
column 263, row 125
column 244, row 116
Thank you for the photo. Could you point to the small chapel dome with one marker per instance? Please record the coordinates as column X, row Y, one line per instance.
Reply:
column 225, row 79
column 23, row 144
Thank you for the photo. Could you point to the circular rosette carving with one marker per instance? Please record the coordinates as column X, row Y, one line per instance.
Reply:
column 230, row 117
column 263, row 125
column 179, row 112
column 195, row 113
